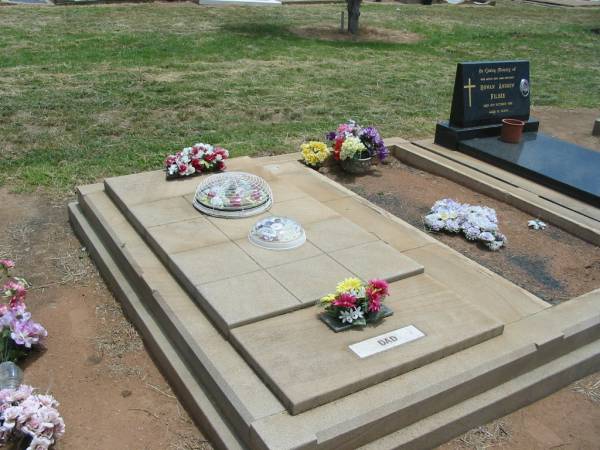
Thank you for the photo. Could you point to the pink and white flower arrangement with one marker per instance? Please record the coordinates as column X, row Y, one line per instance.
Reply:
column 196, row 159
column 18, row 332
column 355, row 303
column 24, row 414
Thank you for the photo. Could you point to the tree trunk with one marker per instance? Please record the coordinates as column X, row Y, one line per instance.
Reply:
column 353, row 15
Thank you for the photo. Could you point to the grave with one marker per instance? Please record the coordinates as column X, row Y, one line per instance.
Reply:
column 487, row 92
column 235, row 329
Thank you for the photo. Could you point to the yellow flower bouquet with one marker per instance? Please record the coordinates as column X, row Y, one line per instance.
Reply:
column 314, row 153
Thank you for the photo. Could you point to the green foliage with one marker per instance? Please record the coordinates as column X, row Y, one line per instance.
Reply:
column 91, row 92
column 9, row 350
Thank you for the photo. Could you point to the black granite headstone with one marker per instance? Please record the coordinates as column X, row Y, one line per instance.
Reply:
column 486, row 92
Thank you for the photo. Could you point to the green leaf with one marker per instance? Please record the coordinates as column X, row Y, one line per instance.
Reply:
column 360, row 322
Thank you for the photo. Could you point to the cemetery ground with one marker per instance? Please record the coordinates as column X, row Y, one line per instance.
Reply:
column 93, row 92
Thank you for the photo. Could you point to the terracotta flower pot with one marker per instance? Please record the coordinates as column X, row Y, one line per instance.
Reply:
column 512, row 130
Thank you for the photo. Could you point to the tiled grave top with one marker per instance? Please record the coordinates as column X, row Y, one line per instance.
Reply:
column 261, row 300
column 295, row 350
column 236, row 282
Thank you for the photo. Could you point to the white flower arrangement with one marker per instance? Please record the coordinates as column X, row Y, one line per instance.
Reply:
column 478, row 223
column 352, row 146
column 536, row 224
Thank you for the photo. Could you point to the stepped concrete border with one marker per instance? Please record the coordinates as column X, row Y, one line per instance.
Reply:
column 542, row 348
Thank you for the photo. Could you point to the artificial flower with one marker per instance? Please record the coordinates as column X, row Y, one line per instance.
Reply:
column 351, row 148
column 348, row 285
column 345, row 300
column 354, row 302
column 196, row 159
column 351, row 315
column 314, row 153
column 369, row 137
column 478, row 223
column 6, row 264
column 24, row 413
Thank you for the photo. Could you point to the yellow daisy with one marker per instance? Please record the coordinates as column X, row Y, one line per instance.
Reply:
column 349, row 284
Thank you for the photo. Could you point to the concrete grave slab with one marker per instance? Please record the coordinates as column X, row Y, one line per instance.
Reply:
column 163, row 211
column 308, row 365
column 213, row 263
column 337, row 233
column 258, row 373
column 303, row 210
column 186, row 235
column 245, row 298
column 377, row 260
column 312, row 278
column 236, row 229
column 269, row 258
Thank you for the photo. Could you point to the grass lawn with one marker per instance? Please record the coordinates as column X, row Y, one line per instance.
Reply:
column 89, row 92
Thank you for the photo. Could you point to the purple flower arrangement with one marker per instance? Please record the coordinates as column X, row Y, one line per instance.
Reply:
column 477, row 223
column 29, row 417
column 18, row 332
column 369, row 137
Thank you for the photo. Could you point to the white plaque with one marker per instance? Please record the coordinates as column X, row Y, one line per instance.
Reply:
column 386, row 341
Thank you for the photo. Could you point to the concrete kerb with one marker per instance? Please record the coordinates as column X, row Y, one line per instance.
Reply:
column 191, row 394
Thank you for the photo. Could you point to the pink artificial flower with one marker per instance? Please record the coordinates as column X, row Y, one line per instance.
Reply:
column 223, row 152
column 11, row 416
column 170, row 160
column 374, row 303
column 27, row 332
column 197, row 165
column 182, row 168
column 15, row 289
column 345, row 300
column 345, row 128
column 40, row 443
column 379, row 285
column 7, row 264
column 376, row 291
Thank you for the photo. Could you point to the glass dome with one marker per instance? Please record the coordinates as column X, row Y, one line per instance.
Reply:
column 277, row 233
column 233, row 194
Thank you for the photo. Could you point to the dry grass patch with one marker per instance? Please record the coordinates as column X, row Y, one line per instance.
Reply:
column 491, row 435
column 589, row 387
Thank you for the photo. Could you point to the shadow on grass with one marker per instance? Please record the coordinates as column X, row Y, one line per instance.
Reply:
column 281, row 32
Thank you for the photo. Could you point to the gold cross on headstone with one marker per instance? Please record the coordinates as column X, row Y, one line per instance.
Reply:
column 469, row 86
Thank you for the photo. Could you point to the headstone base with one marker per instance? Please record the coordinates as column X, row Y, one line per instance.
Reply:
column 449, row 136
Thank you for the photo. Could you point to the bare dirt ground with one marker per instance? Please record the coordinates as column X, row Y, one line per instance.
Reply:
column 573, row 125
column 113, row 396
column 365, row 34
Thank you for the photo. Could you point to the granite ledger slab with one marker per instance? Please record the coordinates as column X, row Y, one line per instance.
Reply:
column 566, row 167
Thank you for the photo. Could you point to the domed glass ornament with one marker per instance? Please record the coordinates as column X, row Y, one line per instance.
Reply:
column 233, row 194
column 277, row 233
